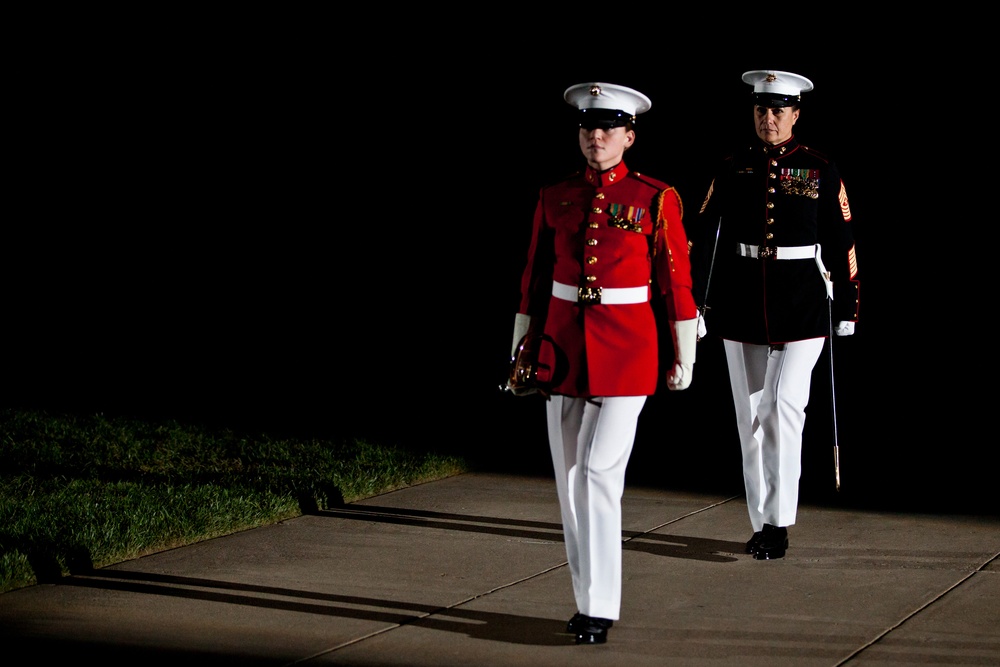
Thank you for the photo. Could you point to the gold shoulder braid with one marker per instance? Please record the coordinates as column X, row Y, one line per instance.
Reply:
column 661, row 221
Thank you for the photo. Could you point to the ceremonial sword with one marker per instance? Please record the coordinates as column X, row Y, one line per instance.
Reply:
column 711, row 266
column 833, row 394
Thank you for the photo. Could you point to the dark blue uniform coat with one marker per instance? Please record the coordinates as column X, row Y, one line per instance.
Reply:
column 772, row 196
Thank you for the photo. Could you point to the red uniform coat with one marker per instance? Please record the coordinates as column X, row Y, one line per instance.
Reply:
column 613, row 229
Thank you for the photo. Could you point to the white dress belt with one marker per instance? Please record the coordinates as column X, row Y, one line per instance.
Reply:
column 779, row 252
column 605, row 295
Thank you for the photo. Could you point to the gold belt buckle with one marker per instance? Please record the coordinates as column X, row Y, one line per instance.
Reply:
column 766, row 253
column 588, row 295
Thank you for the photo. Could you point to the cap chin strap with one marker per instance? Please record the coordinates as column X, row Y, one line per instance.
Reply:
column 772, row 100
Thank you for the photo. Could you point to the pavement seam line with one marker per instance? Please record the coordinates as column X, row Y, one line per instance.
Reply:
column 422, row 616
column 680, row 518
column 916, row 611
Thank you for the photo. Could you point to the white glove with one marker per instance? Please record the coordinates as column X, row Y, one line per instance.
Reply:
column 685, row 335
column 522, row 323
column 702, row 329
column 844, row 328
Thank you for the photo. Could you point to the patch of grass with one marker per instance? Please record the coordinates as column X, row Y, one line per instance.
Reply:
column 82, row 492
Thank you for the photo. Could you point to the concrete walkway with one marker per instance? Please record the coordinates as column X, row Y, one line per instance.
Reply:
column 471, row 570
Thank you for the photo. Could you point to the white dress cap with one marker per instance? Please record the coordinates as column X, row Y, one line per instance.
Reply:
column 774, row 82
column 607, row 96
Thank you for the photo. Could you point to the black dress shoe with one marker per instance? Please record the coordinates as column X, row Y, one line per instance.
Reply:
column 592, row 630
column 578, row 621
column 773, row 543
column 753, row 542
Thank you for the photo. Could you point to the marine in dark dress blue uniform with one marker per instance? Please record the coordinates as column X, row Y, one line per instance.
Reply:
column 773, row 244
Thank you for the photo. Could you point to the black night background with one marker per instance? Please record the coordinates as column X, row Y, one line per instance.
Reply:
column 281, row 232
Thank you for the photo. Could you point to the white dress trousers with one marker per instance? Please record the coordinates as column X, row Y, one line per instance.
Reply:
column 770, row 391
column 591, row 440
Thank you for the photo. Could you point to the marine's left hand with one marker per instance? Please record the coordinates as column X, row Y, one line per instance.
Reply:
column 680, row 376
column 685, row 335
column 844, row 328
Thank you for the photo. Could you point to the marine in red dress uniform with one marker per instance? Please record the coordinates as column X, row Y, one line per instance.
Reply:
column 606, row 231
column 604, row 243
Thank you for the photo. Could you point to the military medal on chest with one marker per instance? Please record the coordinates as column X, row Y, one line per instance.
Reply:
column 803, row 182
column 624, row 217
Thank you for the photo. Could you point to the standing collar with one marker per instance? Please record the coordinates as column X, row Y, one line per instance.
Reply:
column 784, row 148
column 609, row 177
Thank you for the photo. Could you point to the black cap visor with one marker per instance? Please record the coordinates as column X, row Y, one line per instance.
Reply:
column 774, row 100
column 604, row 119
